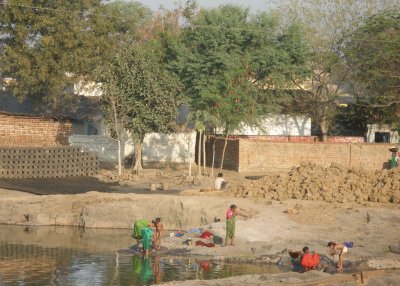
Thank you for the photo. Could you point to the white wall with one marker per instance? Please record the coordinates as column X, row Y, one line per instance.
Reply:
column 105, row 146
column 157, row 147
column 279, row 125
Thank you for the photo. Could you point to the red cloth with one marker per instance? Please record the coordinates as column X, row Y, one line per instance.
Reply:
column 202, row 243
column 205, row 265
column 206, row 235
column 309, row 260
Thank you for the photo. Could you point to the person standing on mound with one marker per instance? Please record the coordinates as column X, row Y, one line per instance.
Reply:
column 231, row 214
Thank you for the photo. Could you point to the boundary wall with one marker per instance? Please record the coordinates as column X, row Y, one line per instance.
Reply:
column 33, row 131
column 258, row 156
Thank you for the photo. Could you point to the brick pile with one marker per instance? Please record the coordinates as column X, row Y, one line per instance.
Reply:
column 50, row 162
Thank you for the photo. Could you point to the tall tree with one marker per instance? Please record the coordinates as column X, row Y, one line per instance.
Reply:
column 229, row 60
column 373, row 54
column 328, row 24
column 150, row 92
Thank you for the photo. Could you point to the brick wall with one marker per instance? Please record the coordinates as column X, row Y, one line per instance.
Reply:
column 261, row 156
column 29, row 131
column 231, row 159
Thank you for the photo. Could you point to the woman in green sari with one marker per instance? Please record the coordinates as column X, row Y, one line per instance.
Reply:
column 147, row 234
column 137, row 229
column 231, row 213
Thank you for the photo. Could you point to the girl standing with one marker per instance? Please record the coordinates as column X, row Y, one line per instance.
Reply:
column 231, row 214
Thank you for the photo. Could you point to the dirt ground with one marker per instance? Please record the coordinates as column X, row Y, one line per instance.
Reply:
column 307, row 206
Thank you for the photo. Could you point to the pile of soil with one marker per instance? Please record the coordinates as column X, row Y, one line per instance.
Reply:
column 331, row 184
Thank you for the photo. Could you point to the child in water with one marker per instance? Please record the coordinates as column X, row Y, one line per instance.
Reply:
column 341, row 248
column 159, row 233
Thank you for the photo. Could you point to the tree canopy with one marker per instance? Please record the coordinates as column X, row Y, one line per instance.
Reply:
column 373, row 54
column 228, row 58
column 147, row 93
column 46, row 47
column 328, row 24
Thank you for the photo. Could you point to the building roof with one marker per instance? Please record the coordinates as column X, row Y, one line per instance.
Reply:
column 83, row 109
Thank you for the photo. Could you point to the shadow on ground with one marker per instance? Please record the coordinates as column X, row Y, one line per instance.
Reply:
column 79, row 185
column 55, row 186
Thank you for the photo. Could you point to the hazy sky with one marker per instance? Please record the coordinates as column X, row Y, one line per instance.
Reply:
column 254, row 5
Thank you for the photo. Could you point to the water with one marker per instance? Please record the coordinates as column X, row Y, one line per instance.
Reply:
column 73, row 256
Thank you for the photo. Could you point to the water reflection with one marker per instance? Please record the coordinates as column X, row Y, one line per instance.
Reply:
column 23, row 263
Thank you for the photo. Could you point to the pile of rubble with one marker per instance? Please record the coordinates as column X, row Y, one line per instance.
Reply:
column 332, row 184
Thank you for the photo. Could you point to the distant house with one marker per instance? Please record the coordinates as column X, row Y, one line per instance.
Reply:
column 381, row 134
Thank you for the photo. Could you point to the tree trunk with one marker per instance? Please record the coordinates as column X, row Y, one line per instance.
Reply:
column 324, row 129
column 119, row 136
column 189, row 155
column 119, row 158
column 138, row 156
column 204, row 152
column 213, row 159
column 199, row 152
column 223, row 153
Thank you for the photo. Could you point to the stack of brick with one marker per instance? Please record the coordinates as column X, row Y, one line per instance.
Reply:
column 36, row 147
column 56, row 162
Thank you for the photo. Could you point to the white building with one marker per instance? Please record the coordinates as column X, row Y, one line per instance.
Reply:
column 381, row 134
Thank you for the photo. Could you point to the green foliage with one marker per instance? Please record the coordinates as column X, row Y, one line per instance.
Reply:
column 125, row 18
column 373, row 53
column 148, row 94
column 228, row 61
column 47, row 46
column 328, row 24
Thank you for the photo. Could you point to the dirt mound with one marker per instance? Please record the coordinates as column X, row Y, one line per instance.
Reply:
column 332, row 184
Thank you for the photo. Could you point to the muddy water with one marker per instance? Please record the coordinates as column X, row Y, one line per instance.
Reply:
column 72, row 256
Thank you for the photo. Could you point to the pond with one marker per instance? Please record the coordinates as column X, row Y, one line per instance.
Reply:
column 75, row 256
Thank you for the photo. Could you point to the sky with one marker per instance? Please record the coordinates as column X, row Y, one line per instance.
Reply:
column 254, row 5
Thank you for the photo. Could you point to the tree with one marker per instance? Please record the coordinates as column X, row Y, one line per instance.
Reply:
column 42, row 45
column 48, row 46
column 228, row 61
column 328, row 24
column 114, row 101
column 373, row 54
column 148, row 90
